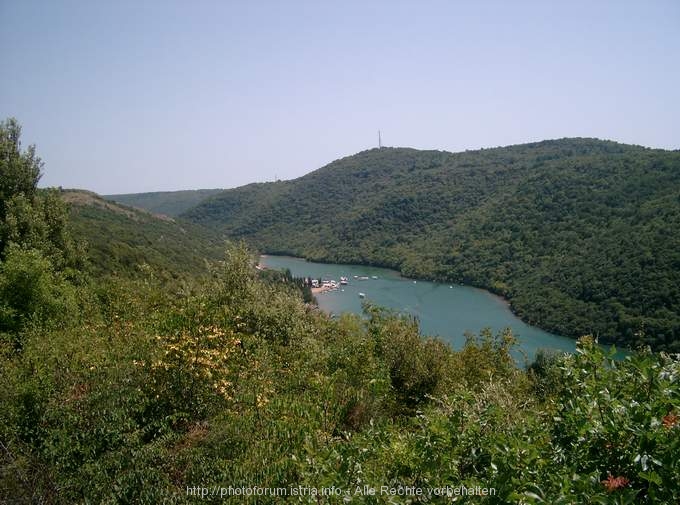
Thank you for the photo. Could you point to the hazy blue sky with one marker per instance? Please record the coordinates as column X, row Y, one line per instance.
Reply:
column 142, row 96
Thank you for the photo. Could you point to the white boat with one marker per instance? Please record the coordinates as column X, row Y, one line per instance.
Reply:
column 343, row 280
column 374, row 277
column 362, row 295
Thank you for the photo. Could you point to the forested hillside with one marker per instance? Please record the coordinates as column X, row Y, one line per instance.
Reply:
column 581, row 235
column 119, row 384
column 169, row 203
column 124, row 240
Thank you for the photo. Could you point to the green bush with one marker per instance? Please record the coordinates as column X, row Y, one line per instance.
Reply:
column 31, row 292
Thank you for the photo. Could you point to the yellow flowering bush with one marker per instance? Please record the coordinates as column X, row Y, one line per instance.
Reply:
column 192, row 371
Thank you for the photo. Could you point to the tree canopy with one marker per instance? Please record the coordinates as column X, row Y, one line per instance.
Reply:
column 20, row 170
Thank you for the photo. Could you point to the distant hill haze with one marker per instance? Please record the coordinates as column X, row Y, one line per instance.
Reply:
column 581, row 235
column 169, row 203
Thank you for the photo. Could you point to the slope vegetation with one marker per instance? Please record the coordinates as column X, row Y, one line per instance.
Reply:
column 169, row 203
column 123, row 240
column 581, row 235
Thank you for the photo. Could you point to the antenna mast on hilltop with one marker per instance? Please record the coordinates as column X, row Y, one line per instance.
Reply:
column 379, row 140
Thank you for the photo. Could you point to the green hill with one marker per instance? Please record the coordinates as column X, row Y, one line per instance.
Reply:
column 134, row 388
column 169, row 203
column 581, row 235
column 122, row 239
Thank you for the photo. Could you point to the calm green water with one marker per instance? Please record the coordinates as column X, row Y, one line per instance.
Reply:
column 444, row 310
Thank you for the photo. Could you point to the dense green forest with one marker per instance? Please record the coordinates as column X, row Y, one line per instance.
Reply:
column 119, row 384
column 168, row 203
column 581, row 235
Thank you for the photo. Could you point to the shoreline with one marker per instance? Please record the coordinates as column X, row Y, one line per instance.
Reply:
column 496, row 298
column 315, row 291
column 499, row 298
